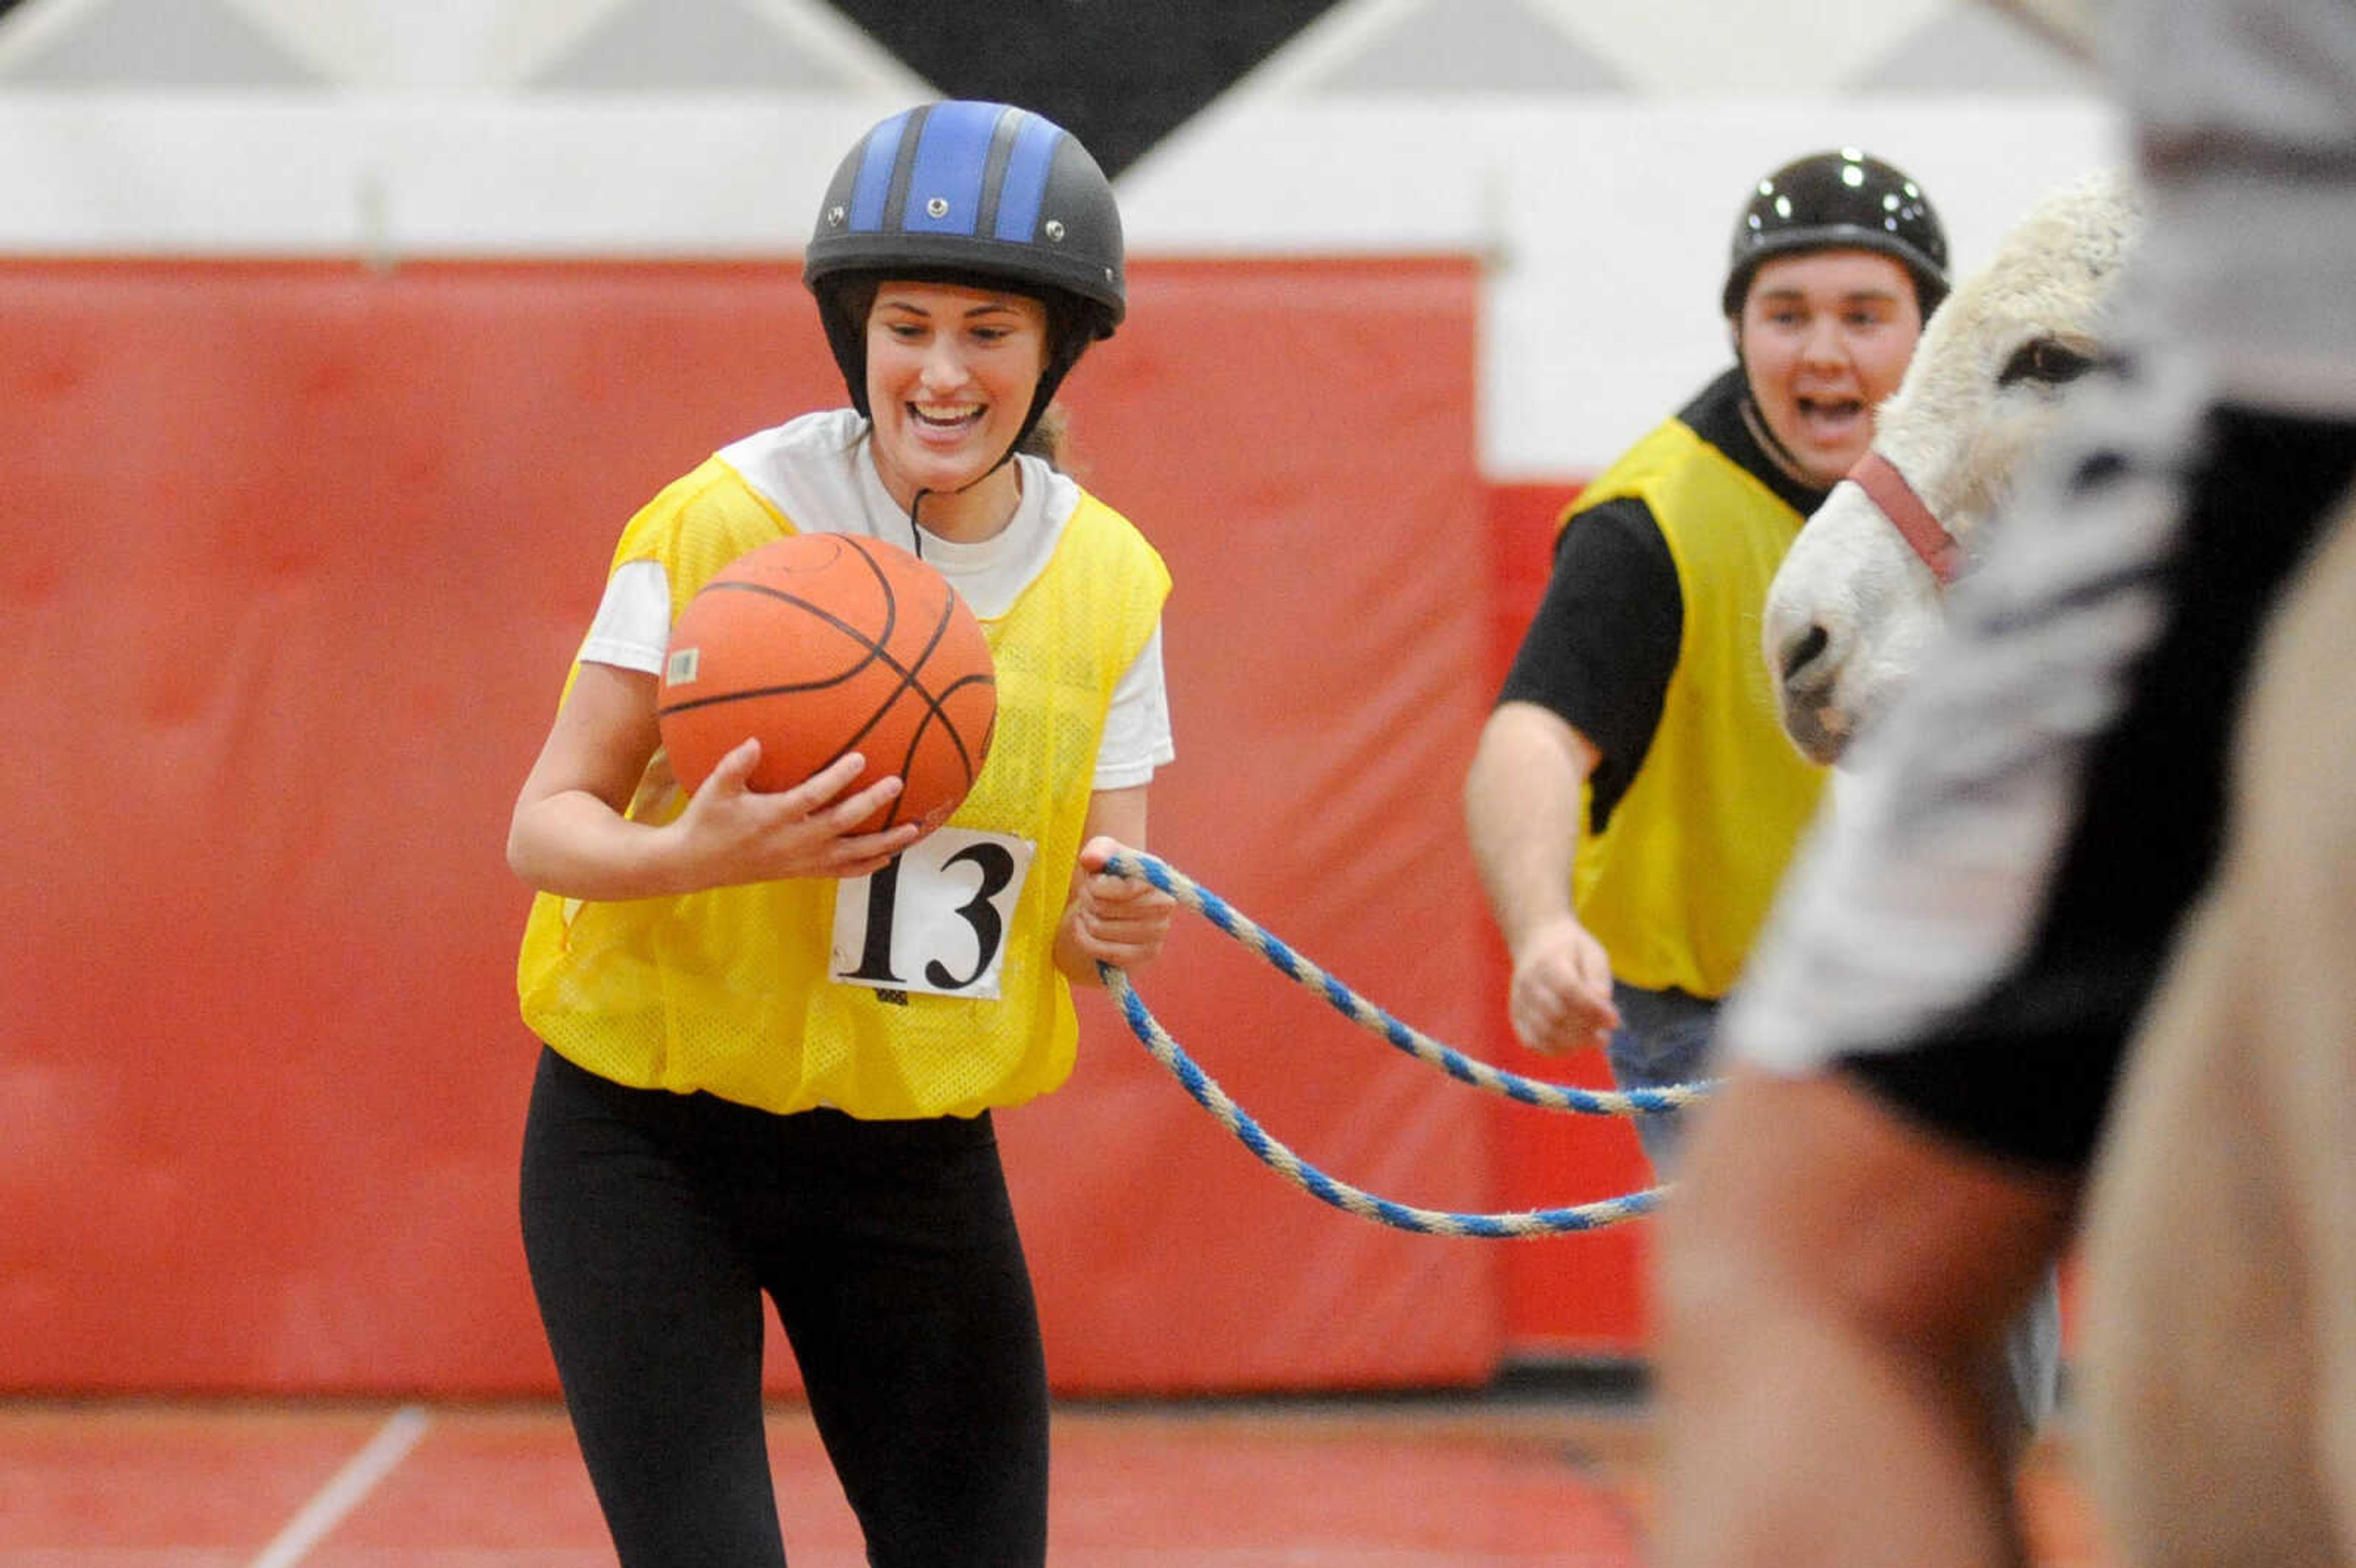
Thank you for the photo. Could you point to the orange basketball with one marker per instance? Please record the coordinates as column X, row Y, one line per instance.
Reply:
column 823, row 644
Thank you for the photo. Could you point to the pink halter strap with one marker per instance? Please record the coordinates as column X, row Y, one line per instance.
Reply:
column 1887, row 490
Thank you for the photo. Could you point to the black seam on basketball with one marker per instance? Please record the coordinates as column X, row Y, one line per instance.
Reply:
column 909, row 671
column 956, row 736
column 856, row 633
column 933, row 711
column 940, row 631
column 875, row 649
column 910, row 674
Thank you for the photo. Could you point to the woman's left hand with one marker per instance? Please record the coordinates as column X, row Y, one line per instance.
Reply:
column 1119, row 920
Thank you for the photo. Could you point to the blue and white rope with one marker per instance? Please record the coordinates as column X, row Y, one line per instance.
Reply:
column 1368, row 1017
column 1206, row 1093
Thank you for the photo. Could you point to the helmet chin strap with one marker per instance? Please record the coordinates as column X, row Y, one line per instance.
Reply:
column 915, row 533
column 1755, row 421
column 916, row 530
column 1039, row 401
column 1773, row 444
column 1765, row 433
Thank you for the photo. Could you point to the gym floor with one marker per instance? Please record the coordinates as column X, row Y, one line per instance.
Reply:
column 1497, row 1480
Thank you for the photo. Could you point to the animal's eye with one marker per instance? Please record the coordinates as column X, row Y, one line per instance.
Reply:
column 2045, row 361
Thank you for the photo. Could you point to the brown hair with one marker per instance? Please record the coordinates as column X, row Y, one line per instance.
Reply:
column 1050, row 439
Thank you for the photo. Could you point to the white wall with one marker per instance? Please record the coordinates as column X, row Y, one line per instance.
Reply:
column 1605, row 225
column 1604, row 220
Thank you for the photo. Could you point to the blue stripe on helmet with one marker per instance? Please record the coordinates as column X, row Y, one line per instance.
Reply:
column 1025, row 185
column 867, row 192
column 951, row 153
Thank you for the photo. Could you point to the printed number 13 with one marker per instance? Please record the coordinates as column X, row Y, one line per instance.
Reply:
column 994, row 869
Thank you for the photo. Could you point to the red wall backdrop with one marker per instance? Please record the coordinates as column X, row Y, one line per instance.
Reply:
column 1581, row 1298
column 292, row 560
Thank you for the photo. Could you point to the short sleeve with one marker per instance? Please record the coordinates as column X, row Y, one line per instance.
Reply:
column 632, row 629
column 1137, row 737
column 1603, row 644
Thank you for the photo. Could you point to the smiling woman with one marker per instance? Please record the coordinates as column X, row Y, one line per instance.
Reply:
column 951, row 373
column 776, row 1034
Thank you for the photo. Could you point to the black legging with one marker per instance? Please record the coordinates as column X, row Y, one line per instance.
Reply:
column 653, row 1221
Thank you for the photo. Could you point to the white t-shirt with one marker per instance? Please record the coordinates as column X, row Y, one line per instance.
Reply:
column 816, row 470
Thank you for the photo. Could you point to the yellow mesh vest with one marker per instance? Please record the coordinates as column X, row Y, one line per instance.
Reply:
column 726, row 990
column 1676, row 886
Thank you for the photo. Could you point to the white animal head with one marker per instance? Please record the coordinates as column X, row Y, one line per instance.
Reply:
column 1854, row 603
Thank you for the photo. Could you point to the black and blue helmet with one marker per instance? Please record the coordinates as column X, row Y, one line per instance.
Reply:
column 986, row 195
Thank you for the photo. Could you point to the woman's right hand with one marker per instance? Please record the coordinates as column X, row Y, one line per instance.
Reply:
column 732, row 834
column 571, row 834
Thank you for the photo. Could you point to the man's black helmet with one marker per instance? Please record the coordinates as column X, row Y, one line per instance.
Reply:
column 1843, row 200
column 981, row 194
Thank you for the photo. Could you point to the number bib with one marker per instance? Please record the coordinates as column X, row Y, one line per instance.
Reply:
column 935, row 919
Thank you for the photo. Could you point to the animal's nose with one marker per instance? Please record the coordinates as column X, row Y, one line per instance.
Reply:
column 1800, row 647
column 1803, row 651
column 1806, row 655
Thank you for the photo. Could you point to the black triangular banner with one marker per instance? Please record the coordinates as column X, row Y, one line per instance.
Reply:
column 1118, row 74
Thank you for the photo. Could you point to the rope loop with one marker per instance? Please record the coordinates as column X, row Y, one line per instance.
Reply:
column 1206, row 1093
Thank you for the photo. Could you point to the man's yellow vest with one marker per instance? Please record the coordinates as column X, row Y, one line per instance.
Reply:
column 727, row 990
column 1679, row 880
